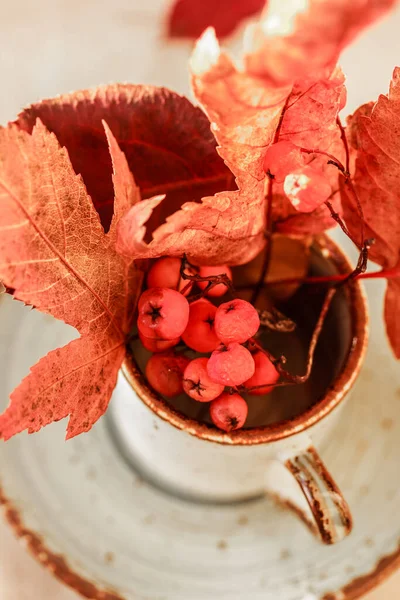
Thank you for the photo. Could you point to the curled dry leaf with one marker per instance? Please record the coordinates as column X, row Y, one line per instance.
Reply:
column 295, row 38
column 245, row 112
column 62, row 263
column 246, row 109
column 375, row 144
column 189, row 18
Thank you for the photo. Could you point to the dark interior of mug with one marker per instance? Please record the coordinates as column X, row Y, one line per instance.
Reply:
column 333, row 348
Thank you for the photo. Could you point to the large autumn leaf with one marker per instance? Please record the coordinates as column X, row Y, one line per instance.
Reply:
column 55, row 255
column 248, row 110
column 374, row 138
column 295, row 38
column 244, row 111
column 166, row 140
column 189, row 18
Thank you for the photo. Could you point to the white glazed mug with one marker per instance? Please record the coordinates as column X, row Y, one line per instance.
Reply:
column 200, row 462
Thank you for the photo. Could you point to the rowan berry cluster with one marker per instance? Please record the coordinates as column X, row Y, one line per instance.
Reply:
column 167, row 318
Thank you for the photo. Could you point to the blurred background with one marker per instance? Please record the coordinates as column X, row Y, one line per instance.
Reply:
column 49, row 47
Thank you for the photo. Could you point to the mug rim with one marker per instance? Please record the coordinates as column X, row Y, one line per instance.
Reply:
column 336, row 392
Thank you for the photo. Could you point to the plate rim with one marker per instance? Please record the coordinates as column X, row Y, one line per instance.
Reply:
column 60, row 568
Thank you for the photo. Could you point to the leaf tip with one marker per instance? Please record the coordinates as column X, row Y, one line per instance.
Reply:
column 206, row 52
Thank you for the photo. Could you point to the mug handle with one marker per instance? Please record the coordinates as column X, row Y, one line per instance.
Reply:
column 331, row 519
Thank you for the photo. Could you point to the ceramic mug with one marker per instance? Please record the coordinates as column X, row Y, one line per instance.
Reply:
column 200, row 462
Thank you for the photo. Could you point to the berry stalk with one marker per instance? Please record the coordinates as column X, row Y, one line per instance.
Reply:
column 279, row 363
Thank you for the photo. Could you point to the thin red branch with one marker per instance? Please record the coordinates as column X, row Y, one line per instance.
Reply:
column 267, row 257
column 345, row 144
column 268, row 219
column 211, row 280
column 348, row 182
column 393, row 273
column 296, row 379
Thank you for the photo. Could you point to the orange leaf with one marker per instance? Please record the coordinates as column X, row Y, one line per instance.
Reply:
column 373, row 133
column 56, row 256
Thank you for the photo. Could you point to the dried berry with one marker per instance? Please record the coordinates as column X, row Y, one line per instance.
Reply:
column 230, row 365
column 163, row 313
column 164, row 372
column 200, row 332
column 236, row 321
column 197, row 383
column 229, row 412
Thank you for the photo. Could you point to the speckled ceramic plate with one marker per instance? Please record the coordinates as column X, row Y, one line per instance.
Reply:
column 110, row 535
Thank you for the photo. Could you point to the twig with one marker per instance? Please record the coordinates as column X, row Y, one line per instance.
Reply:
column 296, row 379
column 267, row 257
column 393, row 273
column 268, row 224
column 212, row 280
column 349, row 182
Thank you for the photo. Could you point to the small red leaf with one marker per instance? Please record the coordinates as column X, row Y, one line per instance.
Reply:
column 392, row 311
column 189, row 18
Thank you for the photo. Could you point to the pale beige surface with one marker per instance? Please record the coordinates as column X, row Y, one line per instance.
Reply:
column 51, row 47
column 21, row 578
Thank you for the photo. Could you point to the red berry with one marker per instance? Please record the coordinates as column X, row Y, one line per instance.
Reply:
column 281, row 159
column 265, row 373
column 220, row 289
column 199, row 333
column 163, row 313
column 166, row 273
column 236, row 321
column 197, row 383
column 156, row 345
column 230, row 365
column 307, row 189
column 228, row 412
column 164, row 372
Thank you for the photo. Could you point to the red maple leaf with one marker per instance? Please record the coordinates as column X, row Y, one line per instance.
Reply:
column 54, row 252
column 374, row 138
column 189, row 18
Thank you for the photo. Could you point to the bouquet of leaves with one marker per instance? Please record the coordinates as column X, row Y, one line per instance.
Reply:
column 94, row 184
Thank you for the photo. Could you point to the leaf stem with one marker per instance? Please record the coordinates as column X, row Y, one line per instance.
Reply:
column 279, row 363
